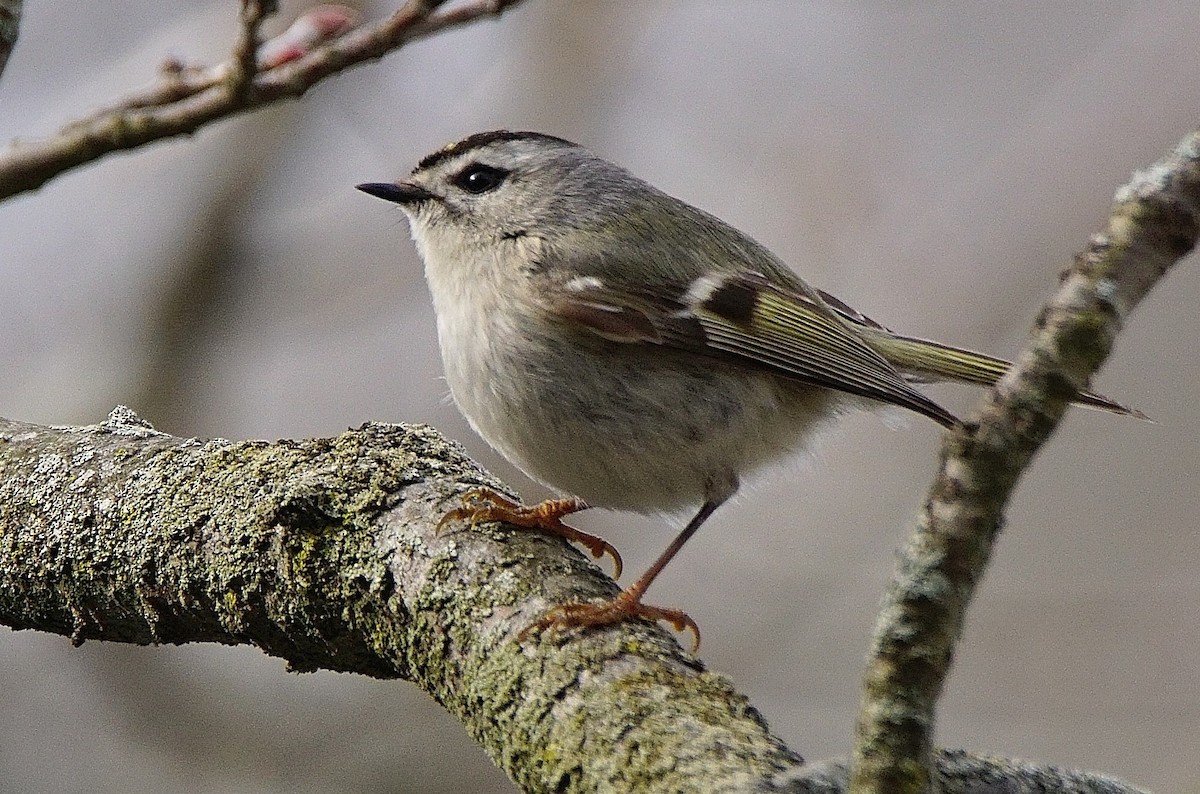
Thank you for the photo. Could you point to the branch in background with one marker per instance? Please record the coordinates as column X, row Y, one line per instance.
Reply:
column 244, row 63
column 1155, row 222
column 10, row 26
column 185, row 98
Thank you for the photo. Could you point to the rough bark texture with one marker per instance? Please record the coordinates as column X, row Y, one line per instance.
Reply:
column 326, row 553
column 958, row 771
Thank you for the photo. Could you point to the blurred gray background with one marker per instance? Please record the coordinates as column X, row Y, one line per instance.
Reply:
column 935, row 166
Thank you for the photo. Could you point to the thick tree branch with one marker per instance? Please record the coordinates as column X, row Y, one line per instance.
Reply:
column 1154, row 223
column 958, row 771
column 326, row 553
column 186, row 99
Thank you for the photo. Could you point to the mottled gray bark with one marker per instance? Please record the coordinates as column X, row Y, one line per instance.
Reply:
column 326, row 553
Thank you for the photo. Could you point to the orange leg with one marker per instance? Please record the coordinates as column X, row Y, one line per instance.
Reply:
column 626, row 606
column 545, row 517
column 628, row 603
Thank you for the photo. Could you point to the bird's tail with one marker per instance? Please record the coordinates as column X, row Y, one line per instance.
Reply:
column 924, row 360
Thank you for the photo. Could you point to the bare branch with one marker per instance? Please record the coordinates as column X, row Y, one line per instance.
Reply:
column 10, row 26
column 185, row 99
column 245, row 50
column 1155, row 222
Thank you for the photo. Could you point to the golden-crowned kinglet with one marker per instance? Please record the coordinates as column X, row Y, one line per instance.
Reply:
column 631, row 351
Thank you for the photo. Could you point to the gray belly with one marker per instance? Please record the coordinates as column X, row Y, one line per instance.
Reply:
column 645, row 429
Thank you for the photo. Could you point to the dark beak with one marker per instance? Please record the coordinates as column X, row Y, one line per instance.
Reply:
column 396, row 192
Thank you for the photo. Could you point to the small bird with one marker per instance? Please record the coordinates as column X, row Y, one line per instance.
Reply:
column 631, row 351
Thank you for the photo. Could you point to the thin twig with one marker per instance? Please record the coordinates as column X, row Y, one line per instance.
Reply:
column 186, row 99
column 1155, row 222
column 245, row 49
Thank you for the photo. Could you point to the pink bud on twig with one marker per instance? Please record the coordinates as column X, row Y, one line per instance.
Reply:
column 311, row 29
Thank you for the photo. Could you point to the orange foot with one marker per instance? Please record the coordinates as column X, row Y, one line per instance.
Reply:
column 626, row 606
column 545, row 517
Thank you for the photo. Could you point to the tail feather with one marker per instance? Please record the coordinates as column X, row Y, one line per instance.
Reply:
column 926, row 360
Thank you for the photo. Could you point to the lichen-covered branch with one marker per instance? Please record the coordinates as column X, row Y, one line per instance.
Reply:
column 326, row 553
column 957, row 772
column 1154, row 223
column 10, row 26
column 185, row 99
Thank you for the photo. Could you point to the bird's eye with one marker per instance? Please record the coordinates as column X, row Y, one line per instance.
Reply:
column 479, row 178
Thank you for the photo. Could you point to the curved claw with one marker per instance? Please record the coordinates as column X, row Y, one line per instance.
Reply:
column 471, row 510
column 597, row 545
column 622, row 608
column 484, row 504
